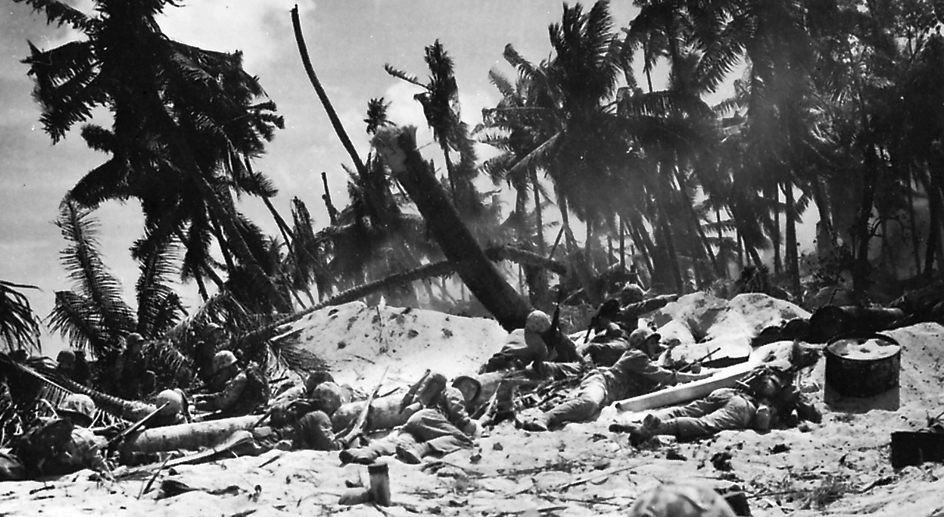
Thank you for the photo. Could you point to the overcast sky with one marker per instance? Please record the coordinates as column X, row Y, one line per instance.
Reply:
column 349, row 41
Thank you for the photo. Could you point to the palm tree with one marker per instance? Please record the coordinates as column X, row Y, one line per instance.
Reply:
column 183, row 119
column 398, row 147
column 440, row 102
column 19, row 325
column 569, row 108
column 93, row 315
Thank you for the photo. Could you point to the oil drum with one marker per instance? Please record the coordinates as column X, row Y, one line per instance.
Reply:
column 862, row 365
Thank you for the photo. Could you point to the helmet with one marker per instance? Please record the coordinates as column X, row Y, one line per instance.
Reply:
column 316, row 378
column 641, row 335
column 538, row 322
column 766, row 386
column 682, row 500
column 223, row 359
column 631, row 293
column 66, row 356
column 470, row 387
column 79, row 407
column 173, row 399
column 327, row 397
column 133, row 338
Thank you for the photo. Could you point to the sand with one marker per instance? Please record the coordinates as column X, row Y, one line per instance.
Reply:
column 839, row 467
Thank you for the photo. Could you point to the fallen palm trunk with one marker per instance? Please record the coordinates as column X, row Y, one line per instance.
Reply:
column 384, row 414
column 184, row 436
column 131, row 410
column 683, row 393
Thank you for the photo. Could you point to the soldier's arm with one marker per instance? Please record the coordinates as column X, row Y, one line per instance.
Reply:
column 230, row 394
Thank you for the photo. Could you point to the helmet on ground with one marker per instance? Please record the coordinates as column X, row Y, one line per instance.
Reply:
column 173, row 399
column 223, row 359
column 80, row 408
column 642, row 335
column 327, row 397
column 631, row 293
column 681, row 500
column 66, row 357
column 315, row 378
column 538, row 321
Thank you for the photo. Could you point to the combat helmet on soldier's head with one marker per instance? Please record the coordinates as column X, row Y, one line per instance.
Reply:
column 80, row 408
column 631, row 293
column 327, row 397
column 223, row 359
column 66, row 357
column 641, row 335
column 538, row 321
column 174, row 400
column 315, row 378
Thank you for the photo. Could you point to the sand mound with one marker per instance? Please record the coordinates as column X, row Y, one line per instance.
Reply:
column 702, row 322
column 359, row 342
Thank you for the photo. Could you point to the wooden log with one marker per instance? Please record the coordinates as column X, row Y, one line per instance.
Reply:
column 193, row 436
column 723, row 378
column 384, row 414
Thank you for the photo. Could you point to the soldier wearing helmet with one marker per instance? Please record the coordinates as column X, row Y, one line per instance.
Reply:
column 439, row 424
column 133, row 368
column 78, row 408
column 175, row 408
column 237, row 391
column 539, row 341
column 80, row 448
column 760, row 404
column 634, row 373
column 625, row 309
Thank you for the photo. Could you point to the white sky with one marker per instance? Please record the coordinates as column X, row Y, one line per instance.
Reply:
column 348, row 41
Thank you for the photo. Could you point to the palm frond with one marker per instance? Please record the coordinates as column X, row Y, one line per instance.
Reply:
column 19, row 324
column 61, row 13
column 92, row 280
column 400, row 74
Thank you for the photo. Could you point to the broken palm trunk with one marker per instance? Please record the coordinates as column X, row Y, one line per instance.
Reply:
column 723, row 378
column 193, row 436
column 398, row 147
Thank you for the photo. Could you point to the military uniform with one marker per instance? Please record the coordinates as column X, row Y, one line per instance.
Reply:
column 440, row 428
column 634, row 374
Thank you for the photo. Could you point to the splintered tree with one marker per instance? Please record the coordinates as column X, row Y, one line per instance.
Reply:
column 398, row 147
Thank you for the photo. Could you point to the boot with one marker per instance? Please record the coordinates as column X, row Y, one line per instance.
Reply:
column 652, row 426
column 538, row 423
column 413, row 453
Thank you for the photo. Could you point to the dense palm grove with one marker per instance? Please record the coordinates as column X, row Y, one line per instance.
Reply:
column 836, row 113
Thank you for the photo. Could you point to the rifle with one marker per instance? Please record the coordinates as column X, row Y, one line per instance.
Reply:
column 134, row 427
column 699, row 360
column 608, row 310
column 411, row 394
column 358, row 428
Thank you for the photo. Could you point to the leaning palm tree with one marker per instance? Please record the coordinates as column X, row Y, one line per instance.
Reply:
column 19, row 325
column 440, row 101
column 183, row 118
